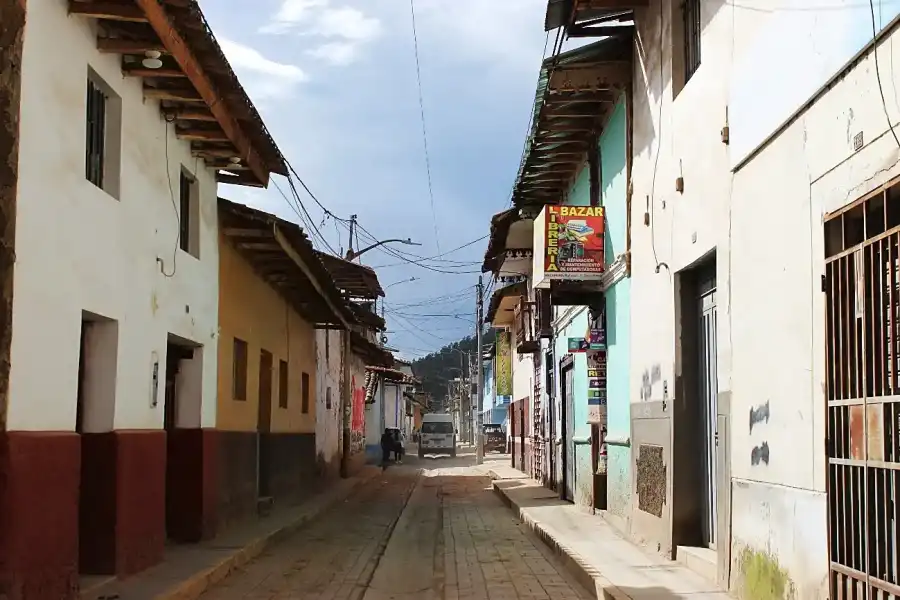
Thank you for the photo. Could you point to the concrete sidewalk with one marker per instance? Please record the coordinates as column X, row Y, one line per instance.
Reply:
column 189, row 570
column 594, row 551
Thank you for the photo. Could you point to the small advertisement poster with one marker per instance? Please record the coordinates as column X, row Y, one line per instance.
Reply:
column 596, row 364
column 573, row 242
column 503, row 367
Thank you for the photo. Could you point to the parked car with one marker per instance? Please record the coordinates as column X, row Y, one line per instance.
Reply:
column 437, row 436
column 494, row 438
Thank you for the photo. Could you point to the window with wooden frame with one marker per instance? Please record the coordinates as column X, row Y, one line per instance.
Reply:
column 690, row 23
column 239, row 370
column 188, row 215
column 103, row 128
column 304, row 393
column 282, row 384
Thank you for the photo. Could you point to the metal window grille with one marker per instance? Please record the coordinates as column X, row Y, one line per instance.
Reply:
column 690, row 13
column 96, row 134
column 184, row 217
column 862, row 287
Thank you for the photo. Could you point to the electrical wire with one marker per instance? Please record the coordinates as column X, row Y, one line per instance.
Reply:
column 887, row 115
column 436, row 257
column 162, row 266
column 412, row 10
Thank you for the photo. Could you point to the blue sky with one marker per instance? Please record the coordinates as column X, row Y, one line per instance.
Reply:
column 335, row 81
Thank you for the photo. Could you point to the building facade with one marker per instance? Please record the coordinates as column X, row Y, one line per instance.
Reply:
column 117, row 255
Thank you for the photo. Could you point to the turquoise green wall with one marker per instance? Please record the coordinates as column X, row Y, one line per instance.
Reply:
column 618, row 313
column 612, row 146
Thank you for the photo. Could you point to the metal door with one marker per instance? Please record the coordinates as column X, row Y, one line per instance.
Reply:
column 568, row 433
column 862, row 290
column 709, row 390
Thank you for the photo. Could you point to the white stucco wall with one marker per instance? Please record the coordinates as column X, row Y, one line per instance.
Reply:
column 328, row 375
column 79, row 249
column 808, row 170
column 765, row 223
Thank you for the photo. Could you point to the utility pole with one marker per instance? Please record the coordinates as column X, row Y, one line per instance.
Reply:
column 479, row 426
column 352, row 231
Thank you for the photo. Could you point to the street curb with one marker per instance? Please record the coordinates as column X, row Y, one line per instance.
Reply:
column 587, row 576
column 200, row 582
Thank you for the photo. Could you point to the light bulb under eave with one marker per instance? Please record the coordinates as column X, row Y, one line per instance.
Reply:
column 152, row 63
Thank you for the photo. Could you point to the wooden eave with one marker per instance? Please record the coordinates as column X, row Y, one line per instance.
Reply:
column 370, row 352
column 515, row 289
column 196, row 88
column 500, row 224
column 574, row 16
column 576, row 94
column 353, row 279
column 367, row 317
column 307, row 286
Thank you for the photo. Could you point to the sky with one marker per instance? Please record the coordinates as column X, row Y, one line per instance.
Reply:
column 335, row 82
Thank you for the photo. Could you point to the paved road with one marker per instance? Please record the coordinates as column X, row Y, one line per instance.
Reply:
column 430, row 530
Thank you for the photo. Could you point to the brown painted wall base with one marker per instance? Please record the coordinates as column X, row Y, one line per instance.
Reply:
column 39, row 475
column 122, row 513
column 290, row 464
column 237, row 476
column 192, row 484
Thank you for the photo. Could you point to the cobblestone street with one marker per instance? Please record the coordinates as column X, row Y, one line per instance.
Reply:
column 441, row 534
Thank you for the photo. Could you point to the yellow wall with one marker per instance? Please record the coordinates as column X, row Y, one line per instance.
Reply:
column 254, row 312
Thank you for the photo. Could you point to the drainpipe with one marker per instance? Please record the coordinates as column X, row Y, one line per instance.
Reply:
column 347, row 402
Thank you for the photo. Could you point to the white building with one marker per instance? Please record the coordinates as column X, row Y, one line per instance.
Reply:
column 114, row 313
column 763, row 231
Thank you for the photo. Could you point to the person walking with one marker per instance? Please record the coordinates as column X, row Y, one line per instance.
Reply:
column 387, row 446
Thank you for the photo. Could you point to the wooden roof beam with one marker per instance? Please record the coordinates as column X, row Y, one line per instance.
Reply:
column 180, row 51
column 180, row 95
column 598, row 77
column 190, row 114
column 111, row 11
column 141, row 71
column 584, row 5
column 205, row 135
column 108, row 45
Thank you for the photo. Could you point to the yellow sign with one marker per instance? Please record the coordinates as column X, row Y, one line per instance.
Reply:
column 503, row 365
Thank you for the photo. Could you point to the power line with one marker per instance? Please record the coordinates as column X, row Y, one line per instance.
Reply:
column 436, row 257
column 412, row 10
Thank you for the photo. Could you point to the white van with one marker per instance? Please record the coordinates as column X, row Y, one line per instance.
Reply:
column 437, row 435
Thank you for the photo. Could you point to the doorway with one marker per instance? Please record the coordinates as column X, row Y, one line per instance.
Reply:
column 94, row 415
column 175, row 405
column 550, row 442
column 709, row 392
column 264, row 427
column 567, row 391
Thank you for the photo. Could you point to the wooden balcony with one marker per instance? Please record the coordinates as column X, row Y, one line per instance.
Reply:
column 526, row 340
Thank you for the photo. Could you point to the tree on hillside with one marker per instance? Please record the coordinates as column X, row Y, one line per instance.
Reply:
column 437, row 368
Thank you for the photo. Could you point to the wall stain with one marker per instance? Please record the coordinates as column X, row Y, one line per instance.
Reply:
column 762, row 578
column 760, row 454
column 759, row 414
column 12, row 16
column 648, row 379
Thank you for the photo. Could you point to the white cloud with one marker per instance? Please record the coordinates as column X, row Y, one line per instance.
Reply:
column 348, row 23
column 335, row 53
column 266, row 78
column 350, row 26
column 290, row 14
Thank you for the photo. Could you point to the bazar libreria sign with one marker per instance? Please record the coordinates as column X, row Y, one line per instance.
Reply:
column 568, row 244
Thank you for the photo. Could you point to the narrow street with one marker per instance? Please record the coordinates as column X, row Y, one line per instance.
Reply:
column 429, row 529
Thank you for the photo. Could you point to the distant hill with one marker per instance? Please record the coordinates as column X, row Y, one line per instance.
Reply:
column 439, row 367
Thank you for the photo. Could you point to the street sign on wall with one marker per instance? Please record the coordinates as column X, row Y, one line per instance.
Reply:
column 568, row 244
column 503, row 367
